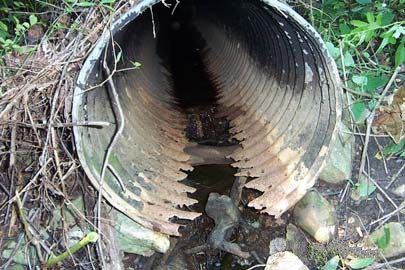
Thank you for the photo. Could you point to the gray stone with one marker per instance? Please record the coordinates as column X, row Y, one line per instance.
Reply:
column 284, row 260
column 297, row 242
column 277, row 245
column 396, row 244
column 400, row 191
column 338, row 167
column 24, row 253
column 134, row 238
column 315, row 215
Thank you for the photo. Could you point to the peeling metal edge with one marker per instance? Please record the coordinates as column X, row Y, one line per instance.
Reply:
column 320, row 161
column 88, row 65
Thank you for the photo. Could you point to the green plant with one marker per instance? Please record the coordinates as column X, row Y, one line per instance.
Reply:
column 91, row 237
column 360, row 263
column 136, row 64
column 353, row 263
column 73, row 4
column 365, row 188
column 383, row 241
column 10, row 42
column 367, row 40
column 332, row 264
column 16, row 18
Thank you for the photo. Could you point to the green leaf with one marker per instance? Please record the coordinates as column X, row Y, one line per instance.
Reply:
column 400, row 55
column 136, row 64
column 26, row 25
column 335, row 52
column 402, row 154
column 332, row 264
column 383, row 241
column 107, row 1
column 387, row 18
column 19, row 4
column 383, row 43
column 348, row 59
column 371, row 104
column 358, row 109
column 365, row 189
column 85, row 4
column 362, row 2
column 400, row 30
column 18, row 48
column 370, row 17
column 374, row 82
column 358, row 23
column 33, row 19
column 119, row 56
column 369, row 35
column 16, row 20
column 359, row 80
column 394, row 148
column 344, row 29
column 3, row 26
column 359, row 263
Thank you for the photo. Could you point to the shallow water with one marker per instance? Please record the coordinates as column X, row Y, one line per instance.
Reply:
column 210, row 178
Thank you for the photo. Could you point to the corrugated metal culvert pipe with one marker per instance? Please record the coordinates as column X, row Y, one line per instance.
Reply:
column 274, row 81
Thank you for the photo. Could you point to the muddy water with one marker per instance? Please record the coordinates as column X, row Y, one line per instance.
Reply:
column 210, row 178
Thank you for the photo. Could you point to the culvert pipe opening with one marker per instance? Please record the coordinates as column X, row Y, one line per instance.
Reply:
column 257, row 64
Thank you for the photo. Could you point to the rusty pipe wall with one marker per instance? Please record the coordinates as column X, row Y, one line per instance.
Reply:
column 276, row 84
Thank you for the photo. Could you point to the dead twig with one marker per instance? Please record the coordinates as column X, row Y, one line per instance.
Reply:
column 31, row 239
column 370, row 120
column 395, row 176
column 389, row 215
column 382, row 191
column 384, row 264
column 119, row 115
column 362, row 94
column 30, row 183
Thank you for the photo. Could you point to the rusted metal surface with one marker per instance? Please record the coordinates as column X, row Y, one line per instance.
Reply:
column 280, row 92
column 277, row 85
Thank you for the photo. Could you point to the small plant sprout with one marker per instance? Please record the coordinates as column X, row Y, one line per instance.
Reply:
column 92, row 237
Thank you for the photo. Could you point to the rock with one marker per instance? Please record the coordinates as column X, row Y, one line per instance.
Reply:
column 297, row 243
column 277, row 245
column 284, row 260
column 177, row 262
column 338, row 167
column 134, row 238
column 400, row 191
column 226, row 216
column 315, row 215
column 22, row 254
column 396, row 244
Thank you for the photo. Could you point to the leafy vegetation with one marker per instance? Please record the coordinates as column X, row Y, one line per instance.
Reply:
column 354, row 263
column 18, row 17
column 366, row 38
column 360, row 263
column 383, row 241
column 332, row 264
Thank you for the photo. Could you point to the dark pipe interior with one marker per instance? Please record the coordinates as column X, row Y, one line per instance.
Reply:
column 192, row 85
